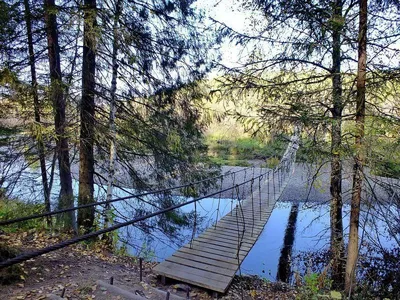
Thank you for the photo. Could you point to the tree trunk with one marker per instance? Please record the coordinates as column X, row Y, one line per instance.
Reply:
column 352, row 251
column 36, row 107
column 86, row 155
column 337, row 249
column 66, row 197
column 113, row 149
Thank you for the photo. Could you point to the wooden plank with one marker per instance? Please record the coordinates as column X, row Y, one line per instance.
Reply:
column 240, row 231
column 202, row 278
column 249, row 213
column 201, row 266
column 208, row 255
column 248, row 217
column 234, row 240
column 240, row 222
column 189, row 270
column 229, row 252
column 261, row 219
column 231, row 228
column 222, row 243
column 246, row 226
column 210, row 276
column 232, row 236
column 234, row 226
column 212, row 243
column 206, row 260
column 265, row 208
column 222, row 238
column 222, row 253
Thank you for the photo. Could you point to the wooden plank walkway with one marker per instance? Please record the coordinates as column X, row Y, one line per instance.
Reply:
column 213, row 258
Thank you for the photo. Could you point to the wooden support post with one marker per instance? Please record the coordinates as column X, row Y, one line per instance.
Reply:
column 167, row 298
column 141, row 269
column 63, row 293
column 163, row 280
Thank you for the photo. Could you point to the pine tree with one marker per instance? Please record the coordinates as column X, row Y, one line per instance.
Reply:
column 292, row 83
column 87, row 109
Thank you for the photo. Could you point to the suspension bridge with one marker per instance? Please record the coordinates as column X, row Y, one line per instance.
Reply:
column 211, row 259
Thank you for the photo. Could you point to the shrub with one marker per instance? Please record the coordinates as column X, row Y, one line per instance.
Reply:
column 12, row 208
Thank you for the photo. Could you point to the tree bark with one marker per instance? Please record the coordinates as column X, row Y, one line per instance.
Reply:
column 36, row 108
column 86, row 155
column 66, row 197
column 337, row 249
column 352, row 251
column 113, row 148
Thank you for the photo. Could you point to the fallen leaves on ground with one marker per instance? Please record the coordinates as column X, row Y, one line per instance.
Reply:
column 77, row 268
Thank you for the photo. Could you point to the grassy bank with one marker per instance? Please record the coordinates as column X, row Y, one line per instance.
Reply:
column 240, row 151
column 232, row 147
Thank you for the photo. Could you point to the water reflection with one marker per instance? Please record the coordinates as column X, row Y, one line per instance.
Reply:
column 284, row 265
column 299, row 226
column 156, row 243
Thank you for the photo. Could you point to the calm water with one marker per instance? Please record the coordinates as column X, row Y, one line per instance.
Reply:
column 311, row 229
column 311, row 233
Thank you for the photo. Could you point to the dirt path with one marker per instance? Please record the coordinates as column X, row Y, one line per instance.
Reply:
column 77, row 269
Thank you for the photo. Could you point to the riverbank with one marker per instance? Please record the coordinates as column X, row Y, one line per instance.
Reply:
column 78, row 268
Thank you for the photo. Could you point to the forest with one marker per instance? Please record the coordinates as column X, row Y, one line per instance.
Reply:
column 105, row 100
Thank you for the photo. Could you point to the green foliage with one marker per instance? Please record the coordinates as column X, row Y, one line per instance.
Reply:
column 11, row 209
column 317, row 286
column 230, row 162
column 387, row 167
column 5, row 134
column 169, row 130
column 121, row 250
column 146, row 252
column 312, row 151
column 272, row 162
column 7, row 131
column 311, row 283
column 230, row 150
column 384, row 157
column 7, row 77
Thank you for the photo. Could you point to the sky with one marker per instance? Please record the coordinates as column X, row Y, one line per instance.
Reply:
column 231, row 14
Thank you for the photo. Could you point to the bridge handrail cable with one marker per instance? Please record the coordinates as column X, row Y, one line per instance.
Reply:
column 33, row 254
column 60, row 211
